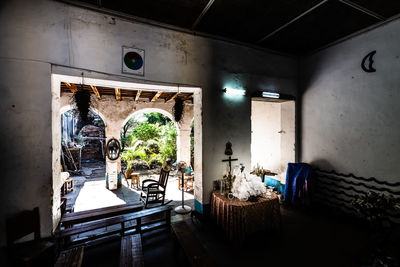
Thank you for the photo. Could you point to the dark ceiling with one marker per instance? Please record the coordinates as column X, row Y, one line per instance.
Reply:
column 291, row 26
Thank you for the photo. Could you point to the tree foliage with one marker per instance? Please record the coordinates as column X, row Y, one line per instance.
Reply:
column 152, row 141
column 155, row 117
column 146, row 131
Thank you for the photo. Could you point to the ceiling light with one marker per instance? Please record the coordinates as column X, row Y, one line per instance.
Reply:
column 270, row 95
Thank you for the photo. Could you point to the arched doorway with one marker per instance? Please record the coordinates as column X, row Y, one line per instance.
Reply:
column 82, row 154
column 150, row 140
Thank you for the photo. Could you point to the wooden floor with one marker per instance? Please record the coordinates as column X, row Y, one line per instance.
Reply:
column 306, row 240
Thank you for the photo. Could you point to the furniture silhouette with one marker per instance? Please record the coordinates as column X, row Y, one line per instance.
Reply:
column 194, row 251
column 143, row 221
column 153, row 191
column 69, row 219
column 131, row 254
column 37, row 252
column 72, row 257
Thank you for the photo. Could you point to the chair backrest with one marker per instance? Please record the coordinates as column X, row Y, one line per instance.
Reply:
column 23, row 224
column 163, row 177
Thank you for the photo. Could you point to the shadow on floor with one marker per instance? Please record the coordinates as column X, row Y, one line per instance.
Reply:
column 306, row 239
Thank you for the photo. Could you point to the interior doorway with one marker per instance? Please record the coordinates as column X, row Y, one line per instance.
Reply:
column 114, row 101
column 273, row 135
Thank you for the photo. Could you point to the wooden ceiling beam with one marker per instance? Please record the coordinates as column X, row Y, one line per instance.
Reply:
column 71, row 87
column 138, row 95
column 96, row 92
column 172, row 97
column 118, row 94
column 156, row 96
column 187, row 97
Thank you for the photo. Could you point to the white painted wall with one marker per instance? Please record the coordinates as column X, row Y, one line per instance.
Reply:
column 273, row 136
column 265, row 139
column 42, row 37
column 350, row 118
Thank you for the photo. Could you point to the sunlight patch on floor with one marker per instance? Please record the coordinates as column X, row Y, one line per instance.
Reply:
column 94, row 194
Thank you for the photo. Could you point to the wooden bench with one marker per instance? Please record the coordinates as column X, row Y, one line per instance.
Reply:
column 65, row 234
column 68, row 219
column 70, row 258
column 194, row 251
column 131, row 251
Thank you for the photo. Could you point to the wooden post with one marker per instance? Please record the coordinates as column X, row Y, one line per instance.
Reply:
column 138, row 225
column 168, row 219
column 122, row 229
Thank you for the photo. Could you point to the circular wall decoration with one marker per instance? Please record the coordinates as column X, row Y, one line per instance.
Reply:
column 133, row 60
column 113, row 149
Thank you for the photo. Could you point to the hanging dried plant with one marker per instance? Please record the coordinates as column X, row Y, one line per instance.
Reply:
column 178, row 109
column 81, row 100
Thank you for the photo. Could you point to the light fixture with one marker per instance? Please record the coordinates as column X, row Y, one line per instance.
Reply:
column 270, row 95
column 231, row 91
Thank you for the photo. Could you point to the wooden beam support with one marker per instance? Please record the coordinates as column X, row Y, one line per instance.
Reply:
column 96, row 92
column 172, row 97
column 187, row 97
column 71, row 87
column 156, row 96
column 118, row 94
column 138, row 95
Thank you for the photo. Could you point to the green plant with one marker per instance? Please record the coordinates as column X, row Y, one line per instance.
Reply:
column 168, row 143
column 151, row 142
column 376, row 208
column 146, row 131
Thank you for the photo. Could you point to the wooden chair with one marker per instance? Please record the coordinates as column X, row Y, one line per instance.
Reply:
column 37, row 252
column 153, row 191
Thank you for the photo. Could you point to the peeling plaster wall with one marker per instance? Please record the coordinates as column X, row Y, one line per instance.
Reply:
column 37, row 37
column 350, row 118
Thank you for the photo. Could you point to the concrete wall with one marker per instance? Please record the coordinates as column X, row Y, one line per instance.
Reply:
column 350, row 118
column 43, row 37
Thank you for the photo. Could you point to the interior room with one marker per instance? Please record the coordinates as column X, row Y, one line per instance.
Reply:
column 200, row 133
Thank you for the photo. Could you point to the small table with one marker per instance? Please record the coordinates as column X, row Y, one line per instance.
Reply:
column 239, row 219
column 68, row 183
column 187, row 183
column 135, row 177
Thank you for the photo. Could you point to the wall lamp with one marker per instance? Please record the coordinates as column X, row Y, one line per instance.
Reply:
column 270, row 95
column 231, row 91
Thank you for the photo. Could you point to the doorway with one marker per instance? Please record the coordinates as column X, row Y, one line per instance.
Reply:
column 273, row 135
column 115, row 98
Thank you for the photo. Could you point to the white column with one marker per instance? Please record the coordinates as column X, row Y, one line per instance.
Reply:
column 184, row 145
